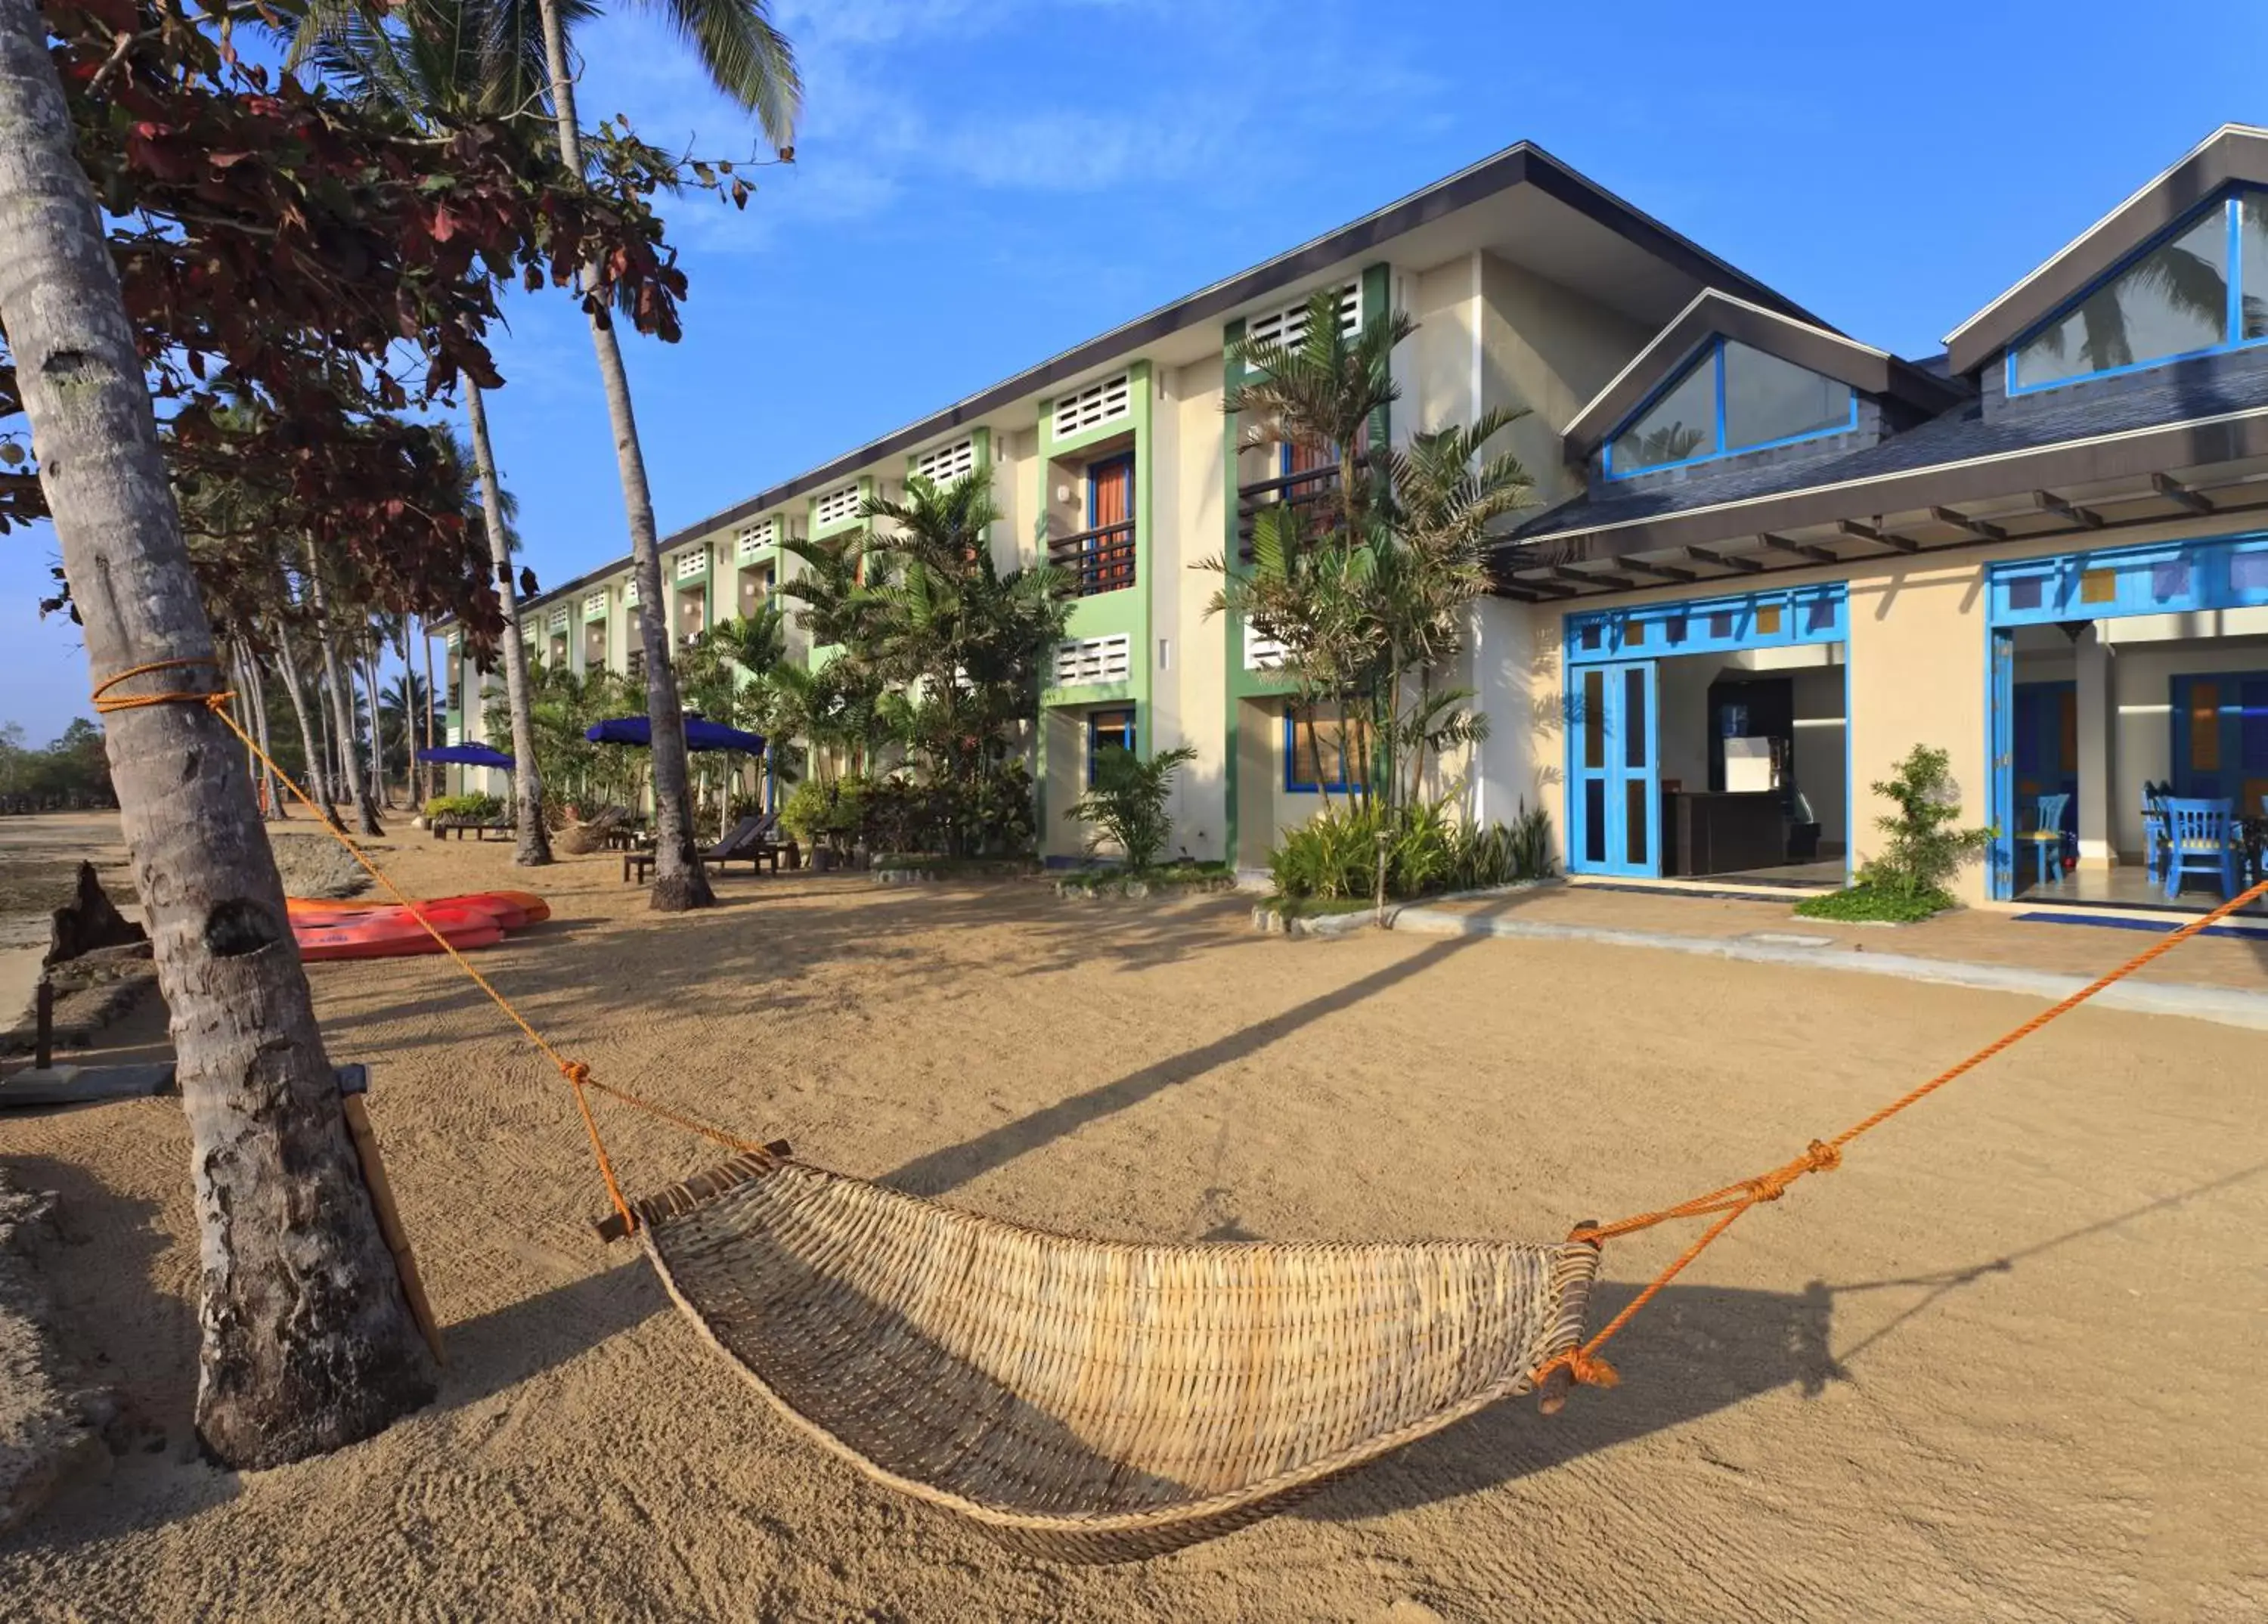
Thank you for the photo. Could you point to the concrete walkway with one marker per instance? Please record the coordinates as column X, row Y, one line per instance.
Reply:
column 2224, row 980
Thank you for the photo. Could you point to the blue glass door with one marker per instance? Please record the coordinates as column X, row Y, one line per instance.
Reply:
column 2221, row 738
column 1616, row 806
column 2004, row 763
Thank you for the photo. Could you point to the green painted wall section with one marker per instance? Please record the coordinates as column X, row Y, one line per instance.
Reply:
column 1377, row 295
column 1108, row 613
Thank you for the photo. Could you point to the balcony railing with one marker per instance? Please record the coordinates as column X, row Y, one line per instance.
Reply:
column 1098, row 560
column 1309, row 488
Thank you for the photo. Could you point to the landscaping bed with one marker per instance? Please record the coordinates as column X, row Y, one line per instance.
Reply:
column 1174, row 879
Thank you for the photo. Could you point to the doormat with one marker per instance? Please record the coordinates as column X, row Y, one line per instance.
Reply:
column 2255, row 932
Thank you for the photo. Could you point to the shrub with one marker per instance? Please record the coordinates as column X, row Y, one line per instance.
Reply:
column 1127, row 802
column 477, row 807
column 1334, row 854
column 1924, row 850
column 826, row 815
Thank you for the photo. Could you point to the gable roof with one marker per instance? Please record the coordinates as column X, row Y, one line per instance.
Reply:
column 1713, row 312
column 2232, row 154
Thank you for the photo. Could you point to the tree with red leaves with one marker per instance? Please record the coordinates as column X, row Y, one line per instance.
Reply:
column 285, row 274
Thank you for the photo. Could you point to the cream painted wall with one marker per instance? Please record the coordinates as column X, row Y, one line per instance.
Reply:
column 1549, row 350
column 1515, row 664
column 1187, row 430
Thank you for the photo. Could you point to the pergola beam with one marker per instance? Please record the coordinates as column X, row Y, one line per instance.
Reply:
column 1667, row 571
column 2181, row 495
column 1853, row 529
column 2085, row 517
column 1983, row 529
column 1724, row 561
column 1801, row 549
column 1621, row 583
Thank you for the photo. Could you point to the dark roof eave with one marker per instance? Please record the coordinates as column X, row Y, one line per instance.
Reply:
column 2132, row 454
column 1522, row 164
column 1807, row 345
column 2234, row 154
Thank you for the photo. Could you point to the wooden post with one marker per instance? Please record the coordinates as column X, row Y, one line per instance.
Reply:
column 354, row 1082
column 43, row 1042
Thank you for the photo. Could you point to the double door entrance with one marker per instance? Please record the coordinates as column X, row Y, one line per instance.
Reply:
column 1617, row 778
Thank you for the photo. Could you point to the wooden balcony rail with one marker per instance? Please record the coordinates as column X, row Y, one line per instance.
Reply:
column 1305, row 489
column 1098, row 560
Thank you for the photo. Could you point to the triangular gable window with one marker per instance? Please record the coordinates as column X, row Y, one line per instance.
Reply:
column 1733, row 397
column 2202, row 288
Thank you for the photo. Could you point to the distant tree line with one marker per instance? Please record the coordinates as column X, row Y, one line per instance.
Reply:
column 69, row 772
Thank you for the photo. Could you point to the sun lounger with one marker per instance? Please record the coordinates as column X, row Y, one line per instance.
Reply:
column 753, row 840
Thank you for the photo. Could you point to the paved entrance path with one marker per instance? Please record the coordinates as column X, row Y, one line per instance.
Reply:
column 2218, row 979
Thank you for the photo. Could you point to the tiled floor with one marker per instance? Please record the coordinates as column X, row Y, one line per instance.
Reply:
column 2126, row 886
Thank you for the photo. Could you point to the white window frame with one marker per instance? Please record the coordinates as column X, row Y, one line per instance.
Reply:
column 1082, row 661
column 1106, row 401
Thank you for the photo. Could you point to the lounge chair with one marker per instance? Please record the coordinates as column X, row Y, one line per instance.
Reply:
column 753, row 840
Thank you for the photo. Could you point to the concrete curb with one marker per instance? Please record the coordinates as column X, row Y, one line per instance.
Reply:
column 2223, row 1006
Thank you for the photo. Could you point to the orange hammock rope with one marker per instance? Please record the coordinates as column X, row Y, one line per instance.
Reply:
column 1581, row 1363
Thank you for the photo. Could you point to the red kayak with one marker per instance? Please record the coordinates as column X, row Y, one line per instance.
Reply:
column 392, row 938
column 509, row 909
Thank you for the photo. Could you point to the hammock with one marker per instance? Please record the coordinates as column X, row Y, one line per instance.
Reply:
column 1093, row 1401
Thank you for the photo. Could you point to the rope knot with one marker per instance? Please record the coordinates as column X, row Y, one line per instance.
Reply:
column 1591, row 1370
column 1818, row 1157
column 576, row 1072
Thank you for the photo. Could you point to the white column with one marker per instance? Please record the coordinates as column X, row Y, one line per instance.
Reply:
column 2097, row 759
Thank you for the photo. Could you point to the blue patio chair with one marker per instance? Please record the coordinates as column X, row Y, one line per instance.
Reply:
column 2153, row 829
column 2046, row 836
column 2201, row 839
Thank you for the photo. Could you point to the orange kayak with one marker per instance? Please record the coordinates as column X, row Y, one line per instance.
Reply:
column 510, row 909
column 391, row 938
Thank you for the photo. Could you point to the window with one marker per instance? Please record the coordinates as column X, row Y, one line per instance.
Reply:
column 1731, row 398
column 1107, row 560
column 1098, row 402
column 1107, row 730
column 1323, row 753
column 1094, row 659
column 2203, row 288
column 1288, row 326
column 947, row 463
column 755, row 537
column 839, row 505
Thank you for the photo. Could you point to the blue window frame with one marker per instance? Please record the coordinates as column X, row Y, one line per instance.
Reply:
column 2199, row 288
column 2217, row 572
column 1781, row 619
column 1308, row 741
column 1729, row 398
column 1107, row 730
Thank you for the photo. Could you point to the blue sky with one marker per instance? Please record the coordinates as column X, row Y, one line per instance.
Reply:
column 981, row 183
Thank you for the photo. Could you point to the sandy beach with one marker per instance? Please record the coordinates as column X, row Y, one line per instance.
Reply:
column 2006, row 1364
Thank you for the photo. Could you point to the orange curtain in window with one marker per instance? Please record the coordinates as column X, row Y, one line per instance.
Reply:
column 1110, row 501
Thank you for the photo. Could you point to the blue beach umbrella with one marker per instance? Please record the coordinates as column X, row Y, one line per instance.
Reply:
column 466, row 755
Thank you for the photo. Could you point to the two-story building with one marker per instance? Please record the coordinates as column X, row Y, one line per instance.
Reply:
column 1767, row 560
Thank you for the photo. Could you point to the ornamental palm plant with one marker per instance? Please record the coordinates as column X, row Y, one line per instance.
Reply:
column 1369, row 599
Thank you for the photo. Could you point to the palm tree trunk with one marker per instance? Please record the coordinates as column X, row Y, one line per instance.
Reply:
column 527, row 784
column 415, row 772
column 342, row 699
column 680, row 879
column 364, row 669
column 308, row 1341
column 256, row 679
column 318, row 783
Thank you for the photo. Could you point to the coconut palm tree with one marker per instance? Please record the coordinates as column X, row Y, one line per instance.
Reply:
column 751, row 62
column 307, row 1338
